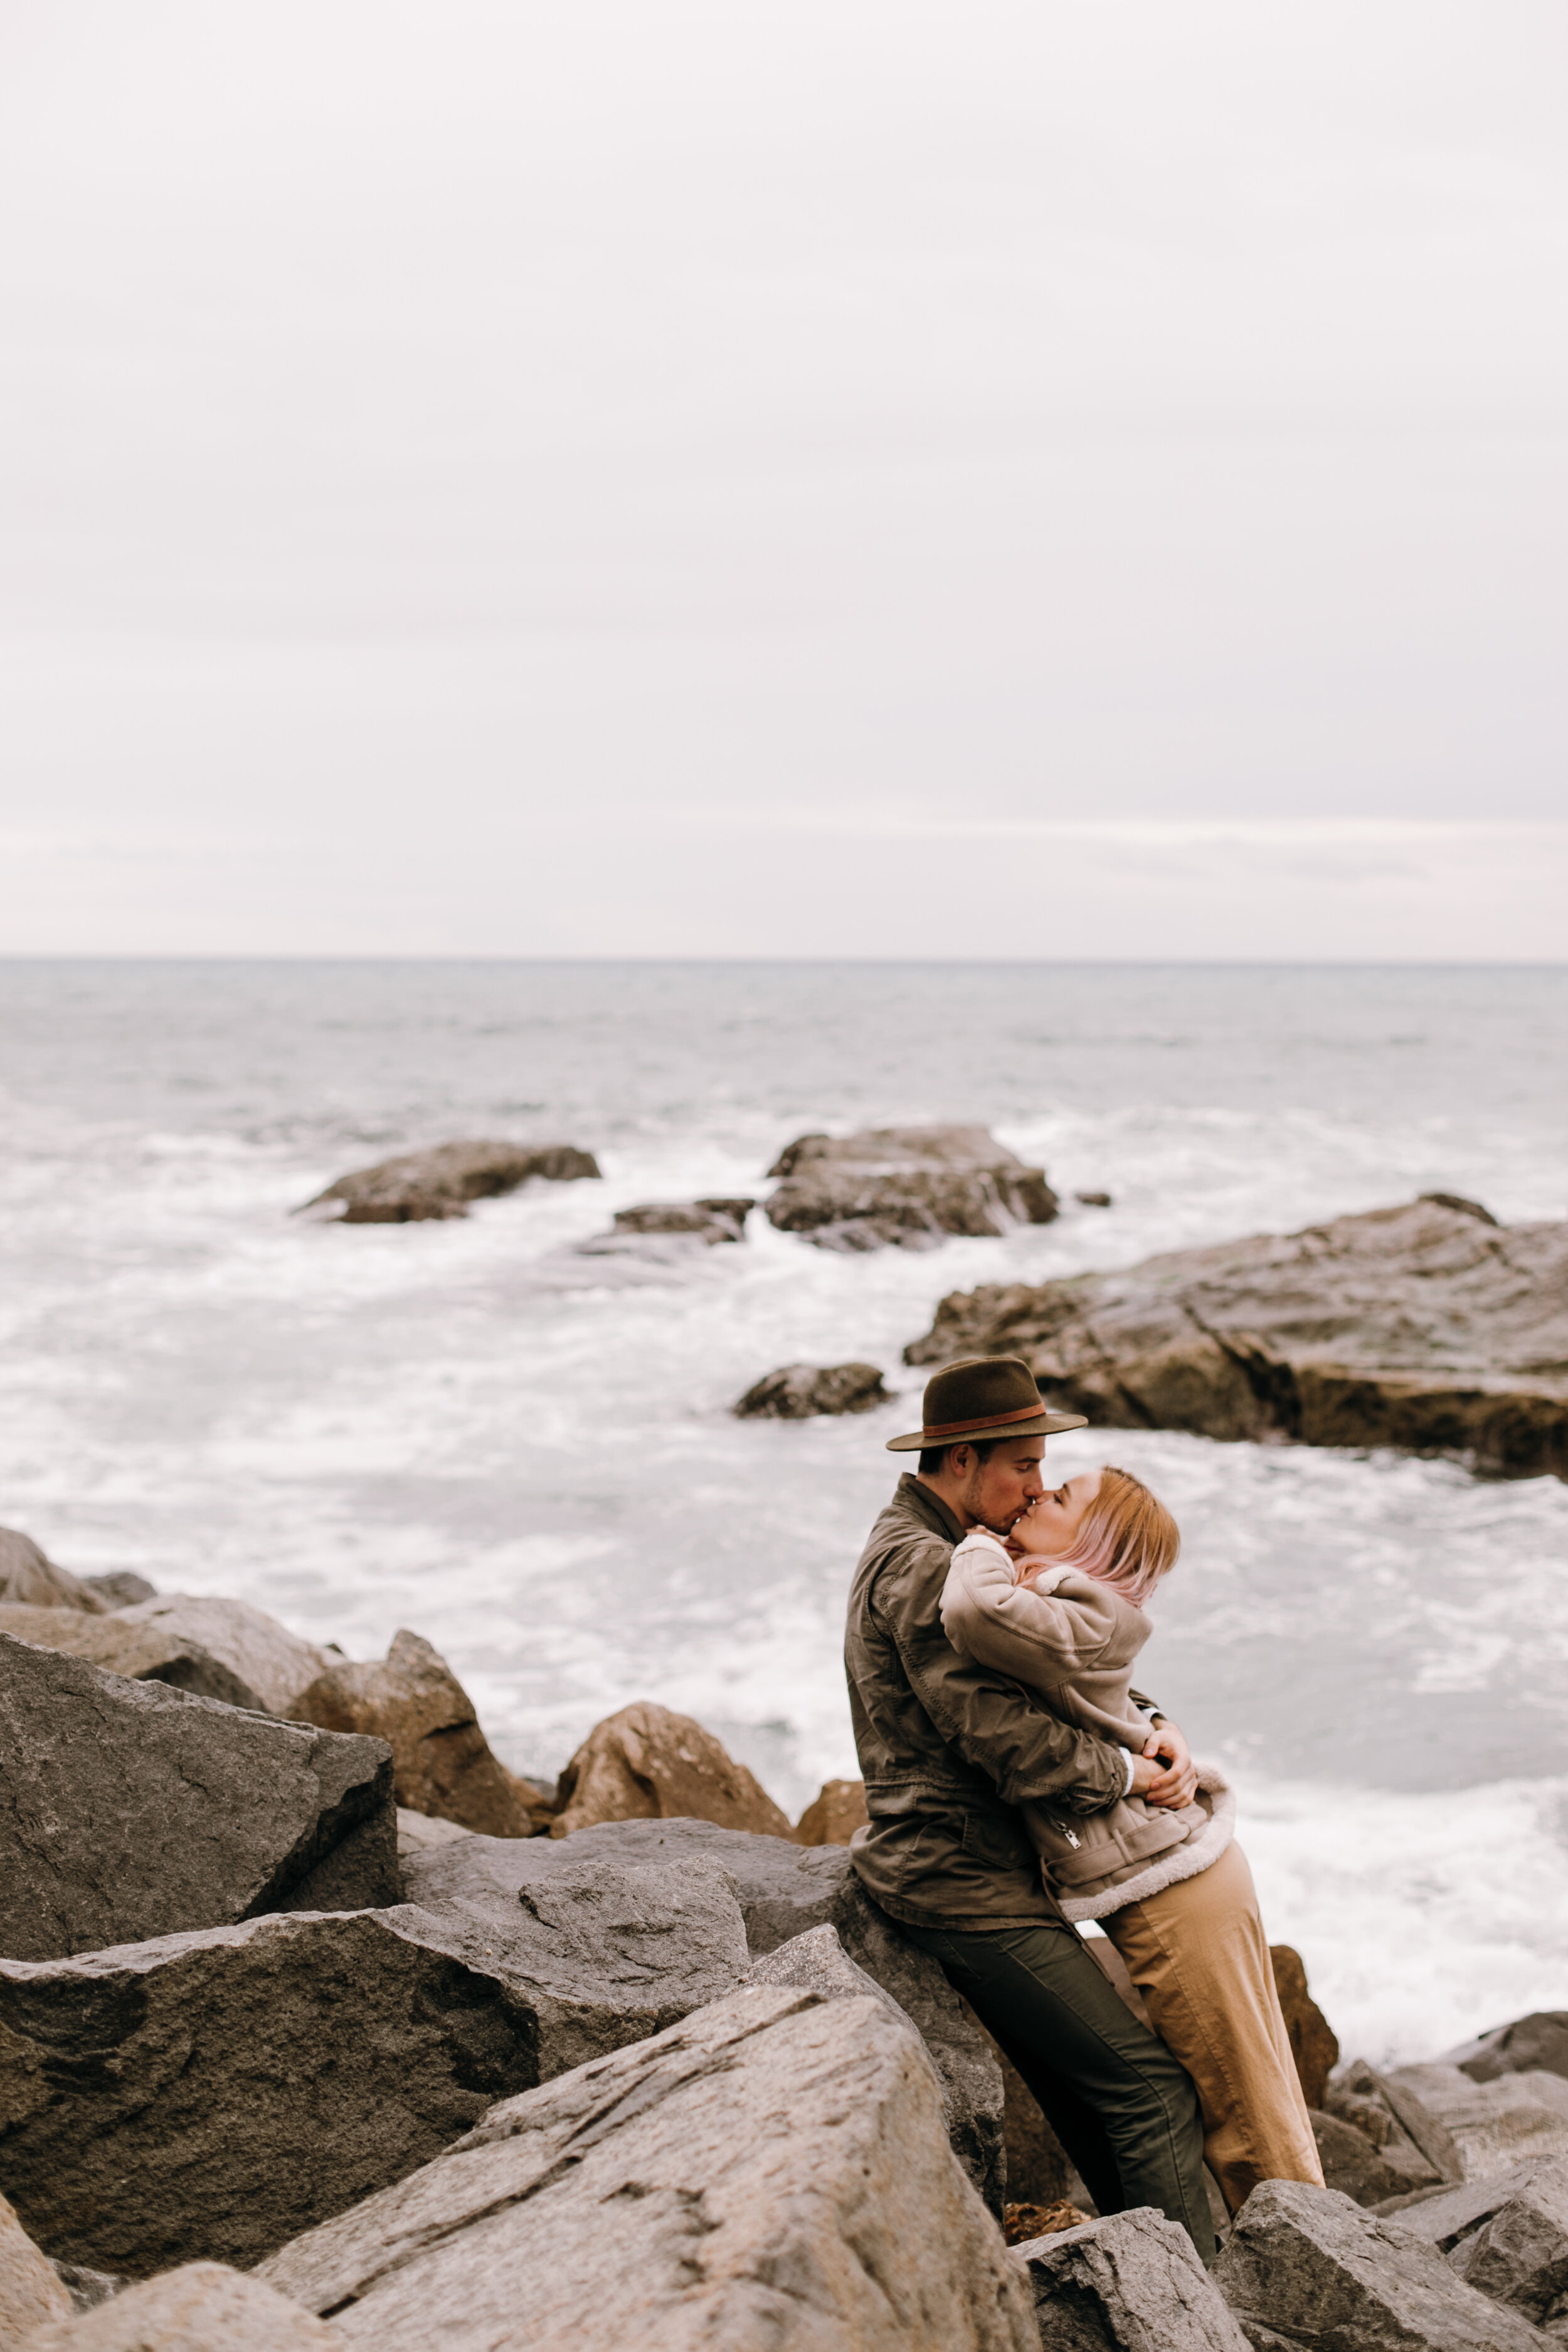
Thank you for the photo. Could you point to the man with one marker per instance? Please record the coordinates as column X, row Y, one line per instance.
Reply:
column 948, row 1750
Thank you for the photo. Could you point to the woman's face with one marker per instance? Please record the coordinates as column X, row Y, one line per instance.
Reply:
column 1051, row 1524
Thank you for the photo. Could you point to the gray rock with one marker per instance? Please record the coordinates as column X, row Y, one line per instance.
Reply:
column 119, row 1587
column 29, row 1579
column 783, row 1889
column 1494, row 2124
column 212, row 2095
column 417, row 1833
column 1303, row 2266
column 602, row 1953
column 1130, row 2282
column 1421, row 1326
column 88, row 2288
column 1534, row 2045
column 1410, row 2140
column 817, row 1962
column 1352, row 2164
column 274, row 1663
column 798, row 1392
column 144, row 1653
column 128, row 1810
column 1507, row 2236
column 768, row 2175
column 201, row 2307
column 904, row 1187
column 442, row 1182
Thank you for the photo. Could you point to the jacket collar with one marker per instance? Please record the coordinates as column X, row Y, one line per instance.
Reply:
column 923, row 1503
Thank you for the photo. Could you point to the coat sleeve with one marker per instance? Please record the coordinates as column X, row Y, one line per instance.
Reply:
column 1037, row 1636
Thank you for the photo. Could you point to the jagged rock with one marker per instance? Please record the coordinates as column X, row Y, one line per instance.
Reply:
column 1534, row 2045
column 212, row 2094
column 799, row 1392
column 1313, row 2045
column 601, row 1951
column 88, row 2288
column 442, row 1182
column 119, row 1587
column 1303, row 2266
column 834, row 1814
column 1130, row 2282
column 1355, row 2166
column 418, row 1833
column 1423, row 1326
column 649, row 1764
column 1494, row 2124
column 441, row 1761
column 128, row 1810
column 904, row 1187
column 1507, row 2236
column 201, row 2307
column 768, row 2175
column 263, row 1654
column 1408, row 2137
column 30, row 2291
column 784, row 1889
column 29, row 1579
column 143, row 1653
column 817, row 1962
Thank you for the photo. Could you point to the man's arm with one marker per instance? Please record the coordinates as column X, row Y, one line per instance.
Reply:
column 1029, row 1754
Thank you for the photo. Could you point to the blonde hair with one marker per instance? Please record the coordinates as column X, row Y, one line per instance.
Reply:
column 1128, row 1538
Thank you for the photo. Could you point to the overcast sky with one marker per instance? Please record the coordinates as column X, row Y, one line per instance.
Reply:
column 849, row 477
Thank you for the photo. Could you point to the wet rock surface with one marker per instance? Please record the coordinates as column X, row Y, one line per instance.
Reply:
column 129, row 1810
column 904, row 1187
column 444, row 1181
column 647, row 1763
column 708, row 1222
column 1129, row 2282
column 771, row 2173
column 800, row 1391
column 1426, row 1326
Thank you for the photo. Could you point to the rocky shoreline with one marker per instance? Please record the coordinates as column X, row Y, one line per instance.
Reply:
column 316, row 2026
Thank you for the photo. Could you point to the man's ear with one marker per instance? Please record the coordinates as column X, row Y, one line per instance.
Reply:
column 959, row 1460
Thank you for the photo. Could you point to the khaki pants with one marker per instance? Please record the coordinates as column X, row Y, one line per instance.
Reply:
column 1198, row 1954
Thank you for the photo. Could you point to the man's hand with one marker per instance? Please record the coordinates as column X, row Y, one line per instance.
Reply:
column 1165, row 1774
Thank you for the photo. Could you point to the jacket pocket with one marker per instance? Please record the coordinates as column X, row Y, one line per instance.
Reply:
column 997, row 1842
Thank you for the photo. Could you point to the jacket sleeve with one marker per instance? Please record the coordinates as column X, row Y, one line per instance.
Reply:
column 1039, row 1637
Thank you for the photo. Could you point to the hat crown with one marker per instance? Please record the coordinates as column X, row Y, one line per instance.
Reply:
column 963, row 1398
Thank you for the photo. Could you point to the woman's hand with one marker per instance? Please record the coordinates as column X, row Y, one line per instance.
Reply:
column 1165, row 1774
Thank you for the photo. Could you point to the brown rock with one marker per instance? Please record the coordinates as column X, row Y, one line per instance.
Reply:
column 442, row 1182
column 799, row 1392
column 143, row 1653
column 904, row 1187
column 441, row 1761
column 30, row 2291
column 1020, row 2223
column 1313, row 2045
column 649, row 1764
column 834, row 1814
column 29, row 1579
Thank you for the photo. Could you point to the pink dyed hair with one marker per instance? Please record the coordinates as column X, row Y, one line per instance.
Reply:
column 1128, row 1538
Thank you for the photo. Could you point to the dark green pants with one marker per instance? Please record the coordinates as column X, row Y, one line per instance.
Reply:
column 1123, row 2108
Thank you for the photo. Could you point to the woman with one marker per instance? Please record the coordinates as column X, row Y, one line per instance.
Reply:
column 1061, row 1609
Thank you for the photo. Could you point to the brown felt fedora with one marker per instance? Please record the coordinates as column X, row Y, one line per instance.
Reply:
column 983, row 1399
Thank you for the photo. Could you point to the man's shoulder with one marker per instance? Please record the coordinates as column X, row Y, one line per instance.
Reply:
column 904, row 1550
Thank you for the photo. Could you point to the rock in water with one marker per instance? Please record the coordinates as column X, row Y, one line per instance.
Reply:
column 29, row 1579
column 1313, row 2045
column 212, row 2095
column 600, row 1952
column 441, row 1761
column 30, row 2290
column 442, row 1182
column 1534, row 2045
column 834, row 1814
column 700, row 1220
column 649, row 1764
column 1421, row 1326
column 799, row 1392
column 201, row 2307
column 769, row 2176
column 143, row 1653
column 1303, row 2266
column 265, row 1656
column 128, row 1810
column 904, row 1187
column 1130, row 2282
column 1507, row 2236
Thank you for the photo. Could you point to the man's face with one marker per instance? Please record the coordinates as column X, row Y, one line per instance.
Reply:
column 999, row 1491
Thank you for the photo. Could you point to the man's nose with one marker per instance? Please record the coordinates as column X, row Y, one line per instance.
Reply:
column 1034, row 1486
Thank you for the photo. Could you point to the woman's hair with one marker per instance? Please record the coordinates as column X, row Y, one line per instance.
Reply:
column 1128, row 1538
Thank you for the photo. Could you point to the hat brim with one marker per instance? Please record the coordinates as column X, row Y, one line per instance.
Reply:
column 1045, row 1425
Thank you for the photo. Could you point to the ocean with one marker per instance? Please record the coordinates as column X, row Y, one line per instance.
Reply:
column 527, row 1456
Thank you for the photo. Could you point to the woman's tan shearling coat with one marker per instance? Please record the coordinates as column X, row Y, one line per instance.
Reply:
column 1073, row 1639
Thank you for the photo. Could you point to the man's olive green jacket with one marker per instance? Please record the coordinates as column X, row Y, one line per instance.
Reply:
column 949, row 1749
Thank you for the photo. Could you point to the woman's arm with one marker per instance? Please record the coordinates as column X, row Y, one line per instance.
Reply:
column 1035, row 1636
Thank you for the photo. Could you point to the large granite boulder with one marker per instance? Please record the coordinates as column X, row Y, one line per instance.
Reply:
column 1313, row 2044
column 601, row 1951
column 442, row 1182
column 212, row 2094
column 269, row 1659
column 904, row 1187
column 1130, row 2282
column 1427, row 1326
column 200, row 2307
column 783, row 1889
column 144, row 1653
column 800, row 1392
column 129, row 1810
column 441, row 1761
column 1303, row 2266
column 768, row 2175
column 30, row 1580
column 30, row 2290
column 1534, row 2045
column 1494, row 2124
column 1507, row 2236
column 649, row 1764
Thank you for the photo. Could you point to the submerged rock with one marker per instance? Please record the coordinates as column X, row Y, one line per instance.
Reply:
column 771, row 2173
column 649, row 1764
column 442, row 1182
column 800, row 1391
column 30, row 1580
column 200, row 2307
column 141, row 1653
column 904, row 1187
column 1132, row 2282
column 1427, row 1326
column 129, row 1810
